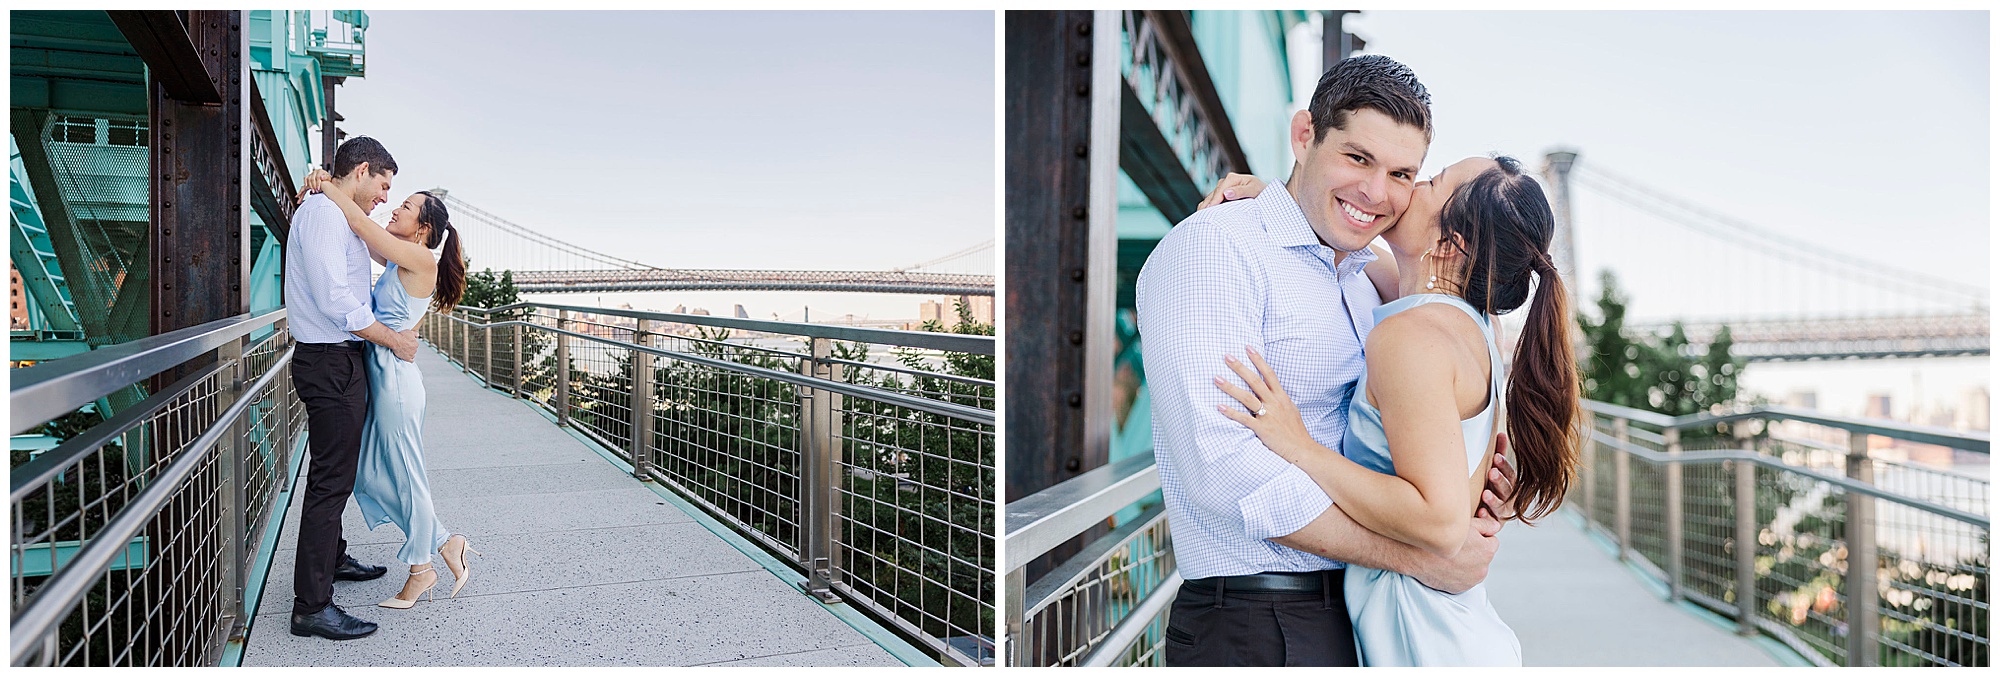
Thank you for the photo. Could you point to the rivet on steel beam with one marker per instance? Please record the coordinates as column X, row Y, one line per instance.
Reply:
column 1076, row 338
column 1076, row 274
column 1080, row 212
column 1083, row 58
column 1076, row 399
column 1083, row 28
column 167, row 204
column 167, row 285
column 1082, row 150
column 1083, row 90
column 1073, row 464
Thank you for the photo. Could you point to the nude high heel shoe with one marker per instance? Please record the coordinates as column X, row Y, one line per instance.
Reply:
column 398, row 602
column 461, row 570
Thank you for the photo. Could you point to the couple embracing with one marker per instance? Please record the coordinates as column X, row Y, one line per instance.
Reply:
column 1338, row 442
column 354, row 369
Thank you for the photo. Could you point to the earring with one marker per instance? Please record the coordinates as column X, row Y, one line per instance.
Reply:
column 1433, row 283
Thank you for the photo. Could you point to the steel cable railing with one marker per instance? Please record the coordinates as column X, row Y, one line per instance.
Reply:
column 132, row 540
column 875, row 480
column 1674, row 496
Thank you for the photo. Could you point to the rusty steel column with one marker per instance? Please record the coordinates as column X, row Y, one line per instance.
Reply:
column 201, row 191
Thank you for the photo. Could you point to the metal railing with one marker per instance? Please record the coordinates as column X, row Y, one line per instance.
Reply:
column 1782, row 520
column 133, row 540
column 1666, row 491
column 875, row 480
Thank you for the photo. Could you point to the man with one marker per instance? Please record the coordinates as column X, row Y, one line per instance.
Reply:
column 1261, row 546
column 327, row 292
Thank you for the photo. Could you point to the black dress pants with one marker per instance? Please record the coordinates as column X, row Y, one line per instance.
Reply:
column 332, row 381
column 1260, row 629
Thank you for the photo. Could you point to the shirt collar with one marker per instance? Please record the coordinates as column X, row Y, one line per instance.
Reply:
column 1288, row 227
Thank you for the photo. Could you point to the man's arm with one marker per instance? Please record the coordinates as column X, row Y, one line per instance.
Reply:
column 333, row 296
column 1334, row 535
column 1199, row 298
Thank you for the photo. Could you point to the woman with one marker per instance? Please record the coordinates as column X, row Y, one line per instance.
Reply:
column 1413, row 462
column 390, row 482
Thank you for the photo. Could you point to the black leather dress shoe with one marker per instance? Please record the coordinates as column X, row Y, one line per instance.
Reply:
column 351, row 569
column 331, row 623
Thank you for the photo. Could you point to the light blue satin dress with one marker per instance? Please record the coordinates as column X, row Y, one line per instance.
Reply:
column 391, row 484
column 1397, row 620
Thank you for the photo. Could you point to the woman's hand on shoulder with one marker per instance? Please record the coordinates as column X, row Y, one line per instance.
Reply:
column 1231, row 188
column 312, row 183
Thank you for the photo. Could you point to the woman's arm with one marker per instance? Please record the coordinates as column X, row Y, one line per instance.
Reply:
column 381, row 244
column 1426, row 504
column 1382, row 273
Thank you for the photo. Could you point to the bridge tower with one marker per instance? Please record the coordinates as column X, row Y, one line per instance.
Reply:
column 1555, row 172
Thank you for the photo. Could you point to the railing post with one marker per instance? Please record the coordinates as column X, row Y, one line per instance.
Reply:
column 519, row 362
column 1863, row 601
column 464, row 342
column 1676, row 514
column 1746, row 535
column 486, row 346
column 231, row 501
column 642, row 403
column 819, row 435
column 562, row 368
column 1016, row 592
column 285, row 427
column 1590, row 453
column 1622, row 467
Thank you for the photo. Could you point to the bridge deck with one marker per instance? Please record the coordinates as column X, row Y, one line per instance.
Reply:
column 1572, row 604
column 583, row 565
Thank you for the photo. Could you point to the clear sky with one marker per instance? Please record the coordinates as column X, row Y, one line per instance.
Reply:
column 1868, row 132
column 766, row 140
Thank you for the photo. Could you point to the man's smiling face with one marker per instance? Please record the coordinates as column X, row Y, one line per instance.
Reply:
column 1354, row 183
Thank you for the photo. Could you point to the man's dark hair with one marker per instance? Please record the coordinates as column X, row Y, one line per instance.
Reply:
column 1369, row 81
column 357, row 150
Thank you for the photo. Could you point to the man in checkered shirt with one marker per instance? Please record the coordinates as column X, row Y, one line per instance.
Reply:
column 1261, row 546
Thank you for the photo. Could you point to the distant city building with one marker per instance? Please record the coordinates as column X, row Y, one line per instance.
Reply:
column 741, row 313
column 681, row 309
column 698, row 311
column 945, row 311
column 18, row 301
column 932, row 311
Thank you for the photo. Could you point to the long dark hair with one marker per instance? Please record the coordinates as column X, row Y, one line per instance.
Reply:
column 1506, row 225
column 451, row 266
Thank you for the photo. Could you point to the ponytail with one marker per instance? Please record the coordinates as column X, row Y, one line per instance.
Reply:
column 1543, row 413
column 451, row 264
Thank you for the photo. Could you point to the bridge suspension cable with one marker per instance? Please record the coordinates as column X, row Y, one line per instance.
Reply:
column 1685, row 213
column 954, row 256
column 538, row 238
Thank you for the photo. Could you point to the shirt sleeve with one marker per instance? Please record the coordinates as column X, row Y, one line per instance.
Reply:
column 326, row 274
column 1199, row 297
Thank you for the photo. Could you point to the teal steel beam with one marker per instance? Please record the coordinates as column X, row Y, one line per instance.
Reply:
column 34, row 256
column 92, row 298
column 162, row 39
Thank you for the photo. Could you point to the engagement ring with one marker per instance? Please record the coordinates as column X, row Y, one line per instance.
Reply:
column 1260, row 412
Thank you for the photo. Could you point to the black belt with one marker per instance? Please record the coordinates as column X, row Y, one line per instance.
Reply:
column 1309, row 582
column 348, row 346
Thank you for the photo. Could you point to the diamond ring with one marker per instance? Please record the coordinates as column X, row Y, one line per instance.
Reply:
column 1261, row 411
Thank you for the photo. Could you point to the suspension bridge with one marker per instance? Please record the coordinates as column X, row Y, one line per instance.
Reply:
column 544, row 264
column 1751, row 537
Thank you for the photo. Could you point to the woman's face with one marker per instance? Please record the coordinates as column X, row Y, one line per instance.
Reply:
column 1418, row 230
column 403, row 221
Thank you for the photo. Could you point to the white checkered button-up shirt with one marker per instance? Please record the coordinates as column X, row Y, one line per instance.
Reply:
column 326, row 275
column 1253, row 273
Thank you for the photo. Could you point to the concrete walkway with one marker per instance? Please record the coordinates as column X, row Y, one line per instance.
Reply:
column 1573, row 604
column 583, row 565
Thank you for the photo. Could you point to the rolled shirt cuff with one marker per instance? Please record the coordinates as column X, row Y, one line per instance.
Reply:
column 1283, row 505
column 358, row 319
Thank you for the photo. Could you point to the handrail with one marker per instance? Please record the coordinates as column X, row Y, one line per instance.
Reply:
column 1974, row 441
column 1710, row 456
column 890, row 397
column 52, row 602
column 956, row 343
column 50, row 389
column 1135, row 623
column 1039, row 522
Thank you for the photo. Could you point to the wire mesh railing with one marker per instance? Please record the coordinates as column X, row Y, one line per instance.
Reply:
column 1670, row 493
column 874, row 479
column 133, row 539
column 1847, row 558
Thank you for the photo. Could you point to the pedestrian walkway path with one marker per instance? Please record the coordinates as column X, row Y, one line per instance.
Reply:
column 1573, row 604
column 583, row 565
